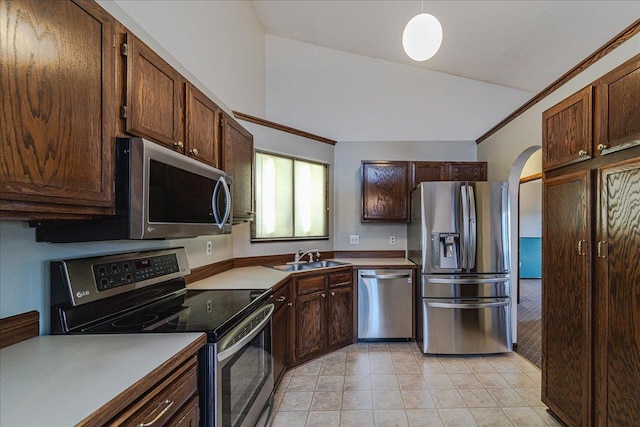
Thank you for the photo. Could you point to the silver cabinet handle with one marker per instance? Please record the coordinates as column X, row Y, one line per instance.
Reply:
column 178, row 145
column 333, row 294
column 290, row 304
column 601, row 253
column 602, row 147
column 582, row 153
column 169, row 404
column 581, row 243
column 193, row 152
column 281, row 299
column 323, row 295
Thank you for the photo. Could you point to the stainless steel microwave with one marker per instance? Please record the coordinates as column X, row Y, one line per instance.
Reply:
column 159, row 194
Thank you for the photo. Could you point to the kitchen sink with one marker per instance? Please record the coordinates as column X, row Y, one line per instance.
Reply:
column 303, row 266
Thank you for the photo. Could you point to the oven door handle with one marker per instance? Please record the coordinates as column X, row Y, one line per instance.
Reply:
column 229, row 348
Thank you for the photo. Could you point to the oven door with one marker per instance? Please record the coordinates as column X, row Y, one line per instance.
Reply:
column 243, row 375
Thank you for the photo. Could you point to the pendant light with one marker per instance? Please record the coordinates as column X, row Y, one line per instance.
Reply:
column 422, row 36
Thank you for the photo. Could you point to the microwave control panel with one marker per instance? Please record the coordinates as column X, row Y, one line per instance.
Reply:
column 111, row 275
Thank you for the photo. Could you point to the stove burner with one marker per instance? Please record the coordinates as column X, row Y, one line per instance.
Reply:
column 135, row 320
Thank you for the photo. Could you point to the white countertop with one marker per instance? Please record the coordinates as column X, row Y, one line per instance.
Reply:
column 259, row 277
column 59, row 380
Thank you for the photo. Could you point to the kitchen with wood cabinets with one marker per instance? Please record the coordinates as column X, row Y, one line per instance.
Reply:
column 591, row 183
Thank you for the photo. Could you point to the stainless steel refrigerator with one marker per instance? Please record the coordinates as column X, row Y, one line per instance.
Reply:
column 459, row 238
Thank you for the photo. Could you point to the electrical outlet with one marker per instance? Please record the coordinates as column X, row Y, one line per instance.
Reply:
column 209, row 248
column 354, row 239
column 392, row 240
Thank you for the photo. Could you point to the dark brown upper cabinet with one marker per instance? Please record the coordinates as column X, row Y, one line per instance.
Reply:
column 567, row 130
column 385, row 191
column 428, row 171
column 153, row 91
column 617, row 113
column 237, row 160
column 202, row 129
column 467, row 171
column 57, row 109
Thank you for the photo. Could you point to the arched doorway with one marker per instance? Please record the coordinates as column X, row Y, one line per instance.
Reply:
column 514, row 195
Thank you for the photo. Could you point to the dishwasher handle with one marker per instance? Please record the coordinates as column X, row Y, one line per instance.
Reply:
column 385, row 276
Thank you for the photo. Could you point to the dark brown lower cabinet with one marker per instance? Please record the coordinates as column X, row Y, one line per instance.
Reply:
column 566, row 297
column 617, row 371
column 591, row 293
column 281, row 330
column 323, row 314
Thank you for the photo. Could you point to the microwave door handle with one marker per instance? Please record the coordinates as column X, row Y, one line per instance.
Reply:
column 221, row 219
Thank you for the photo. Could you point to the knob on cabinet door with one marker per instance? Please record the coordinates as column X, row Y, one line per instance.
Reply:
column 582, row 153
column 602, row 147
column 178, row 145
column 193, row 152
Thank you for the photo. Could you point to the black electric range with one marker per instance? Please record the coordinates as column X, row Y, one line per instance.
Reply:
column 142, row 292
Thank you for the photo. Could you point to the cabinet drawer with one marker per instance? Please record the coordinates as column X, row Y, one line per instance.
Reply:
column 307, row 285
column 188, row 416
column 165, row 400
column 340, row 279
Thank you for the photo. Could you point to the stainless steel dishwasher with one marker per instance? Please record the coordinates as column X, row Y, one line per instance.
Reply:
column 385, row 304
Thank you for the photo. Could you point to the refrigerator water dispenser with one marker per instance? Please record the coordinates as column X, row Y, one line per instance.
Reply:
column 446, row 250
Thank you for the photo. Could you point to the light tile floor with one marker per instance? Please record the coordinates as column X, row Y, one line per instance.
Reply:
column 394, row 384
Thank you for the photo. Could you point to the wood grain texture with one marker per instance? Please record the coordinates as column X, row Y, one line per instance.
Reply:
column 428, row 171
column 237, row 160
column 57, row 104
column 566, row 298
column 617, row 114
column 310, row 317
column 202, row 127
column 167, row 372
column 612, row 44
column 153, row 90
column 467, row 171
column 282, row 128
column 619, row 399
column 385, row 191
column 567, row 129
column 340, row 315
column 20, row 327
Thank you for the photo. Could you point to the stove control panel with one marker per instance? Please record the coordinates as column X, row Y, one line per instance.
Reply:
column 117, row 273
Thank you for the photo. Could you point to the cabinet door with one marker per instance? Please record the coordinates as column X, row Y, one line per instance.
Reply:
column 428, row 171
column 311, row 324
column 567, row 131
column 617, row 120
column 618, row 296
column 202, row 130
column 385, row 192
column 56, row 109
column 237, row 160
column 566, row 297
column 153, row 93
column 340, row 315
column 281, row 331
column 467, row 171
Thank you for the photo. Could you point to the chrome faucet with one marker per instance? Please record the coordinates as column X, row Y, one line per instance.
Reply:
column 299, row 255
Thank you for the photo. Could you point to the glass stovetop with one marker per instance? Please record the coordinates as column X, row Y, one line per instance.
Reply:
column 212, row 311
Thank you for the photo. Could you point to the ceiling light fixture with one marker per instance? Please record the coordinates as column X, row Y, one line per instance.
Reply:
column 422, row 36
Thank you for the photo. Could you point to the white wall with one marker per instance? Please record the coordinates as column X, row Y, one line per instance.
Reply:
column 531, row 209
column 222, row 43
column 348, row 156
column 349, row 97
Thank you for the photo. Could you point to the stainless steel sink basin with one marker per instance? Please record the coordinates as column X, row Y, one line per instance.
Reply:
column 307, row 265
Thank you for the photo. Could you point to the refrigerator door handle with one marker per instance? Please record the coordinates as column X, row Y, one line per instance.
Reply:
column 464, row 201
column 468, row 305
column 464, row 281
column 472, row 227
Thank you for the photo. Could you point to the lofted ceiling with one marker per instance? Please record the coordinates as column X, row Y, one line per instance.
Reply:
column 520, row 44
